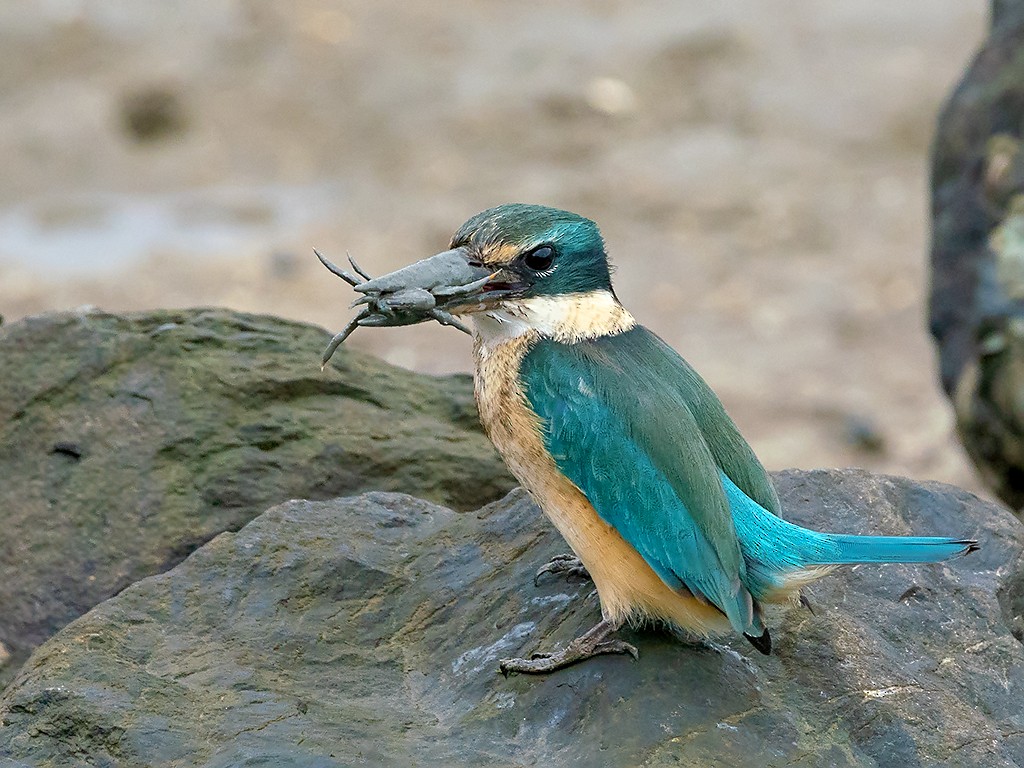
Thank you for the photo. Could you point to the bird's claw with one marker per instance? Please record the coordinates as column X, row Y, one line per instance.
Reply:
column 618, row 646
column 570, row 565
column 541, row 663
column 593, row 642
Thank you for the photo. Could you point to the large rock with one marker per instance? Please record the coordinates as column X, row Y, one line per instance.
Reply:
column 128, row 441
column 366, row 631
column 977, row 254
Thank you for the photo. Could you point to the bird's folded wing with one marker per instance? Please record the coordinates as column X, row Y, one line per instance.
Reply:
column 731, row 452
column 632, row 445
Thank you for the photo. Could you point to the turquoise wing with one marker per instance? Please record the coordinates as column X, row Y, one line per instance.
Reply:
column 731, row 451
column 617, row 421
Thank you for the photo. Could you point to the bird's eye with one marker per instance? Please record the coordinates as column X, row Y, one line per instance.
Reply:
column 540, row 258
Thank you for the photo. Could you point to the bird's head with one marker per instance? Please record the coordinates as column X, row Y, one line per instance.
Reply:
column 534, row 251
column 509, row 253
column 517, row 268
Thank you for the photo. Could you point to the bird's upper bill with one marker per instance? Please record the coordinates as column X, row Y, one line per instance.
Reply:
column 507, row 253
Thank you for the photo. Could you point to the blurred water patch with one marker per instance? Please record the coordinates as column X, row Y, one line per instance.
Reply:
column 125, row 18
column 90, row 233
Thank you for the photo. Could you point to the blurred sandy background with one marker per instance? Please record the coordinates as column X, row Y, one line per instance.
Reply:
column 758, row 170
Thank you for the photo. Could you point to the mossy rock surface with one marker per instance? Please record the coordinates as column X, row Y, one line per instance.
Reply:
column 126, row 441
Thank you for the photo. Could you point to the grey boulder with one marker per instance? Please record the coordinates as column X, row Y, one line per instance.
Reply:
column 367, row 631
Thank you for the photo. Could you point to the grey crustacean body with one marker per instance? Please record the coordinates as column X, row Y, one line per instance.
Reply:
column 389, row 301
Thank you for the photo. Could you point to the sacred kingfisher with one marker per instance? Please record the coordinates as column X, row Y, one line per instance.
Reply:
column 622, row 444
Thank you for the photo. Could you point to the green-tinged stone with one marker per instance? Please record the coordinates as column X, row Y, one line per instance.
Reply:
column 126, row 441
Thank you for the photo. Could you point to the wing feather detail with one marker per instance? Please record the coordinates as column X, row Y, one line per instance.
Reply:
column 637, row 430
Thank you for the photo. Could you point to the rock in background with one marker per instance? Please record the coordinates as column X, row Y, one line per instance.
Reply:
column 367, row 631
column 126, row 441
column 977, row 299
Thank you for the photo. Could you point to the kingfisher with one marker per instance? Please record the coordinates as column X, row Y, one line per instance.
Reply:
column 623, row 446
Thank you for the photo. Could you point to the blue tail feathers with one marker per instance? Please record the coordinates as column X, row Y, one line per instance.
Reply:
column 774, row 548
column 838, row 549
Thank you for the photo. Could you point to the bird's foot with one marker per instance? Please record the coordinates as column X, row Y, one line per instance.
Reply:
column 587, row 645
column 570, row 565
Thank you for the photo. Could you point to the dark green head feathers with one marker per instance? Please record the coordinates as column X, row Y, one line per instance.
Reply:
column 548, row 251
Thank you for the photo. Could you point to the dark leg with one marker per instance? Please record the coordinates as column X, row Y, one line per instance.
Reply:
column 590, row 643
column 570, row 565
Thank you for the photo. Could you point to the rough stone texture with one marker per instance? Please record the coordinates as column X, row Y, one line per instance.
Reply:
column 128, row 441
column 977, row 299
column 366, row 631
column 1003, row 8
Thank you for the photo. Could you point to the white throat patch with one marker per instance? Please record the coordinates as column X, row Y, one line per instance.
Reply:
column 570, row 318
